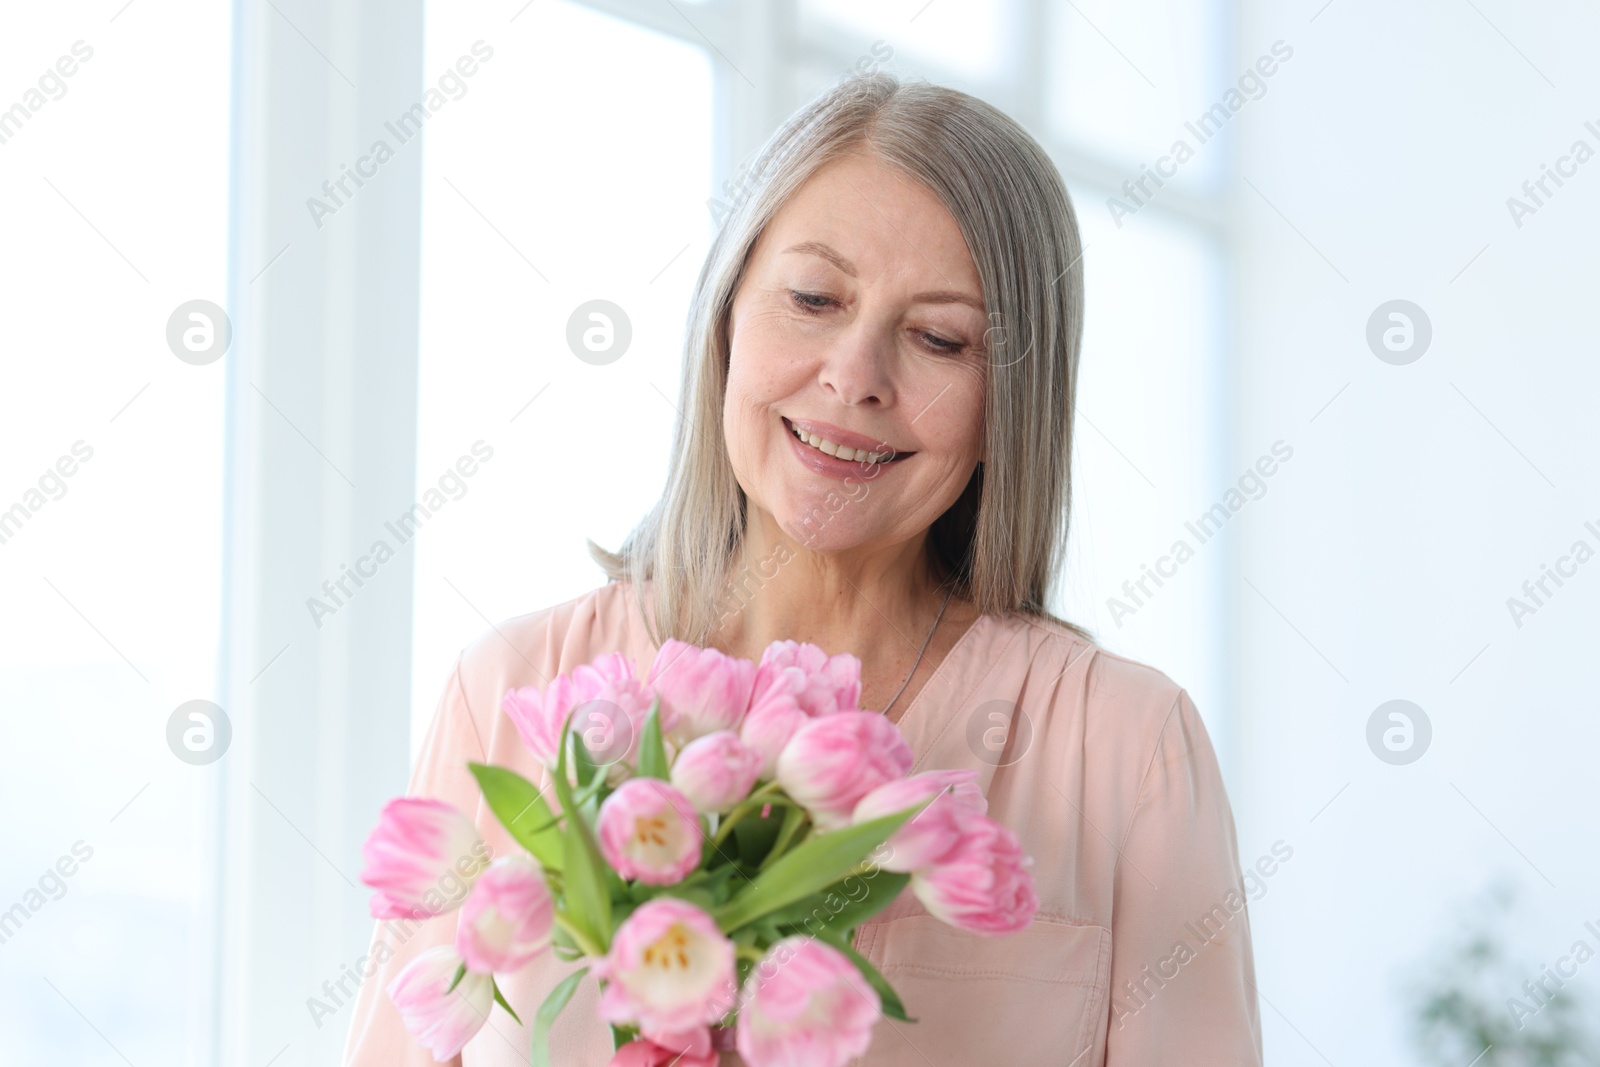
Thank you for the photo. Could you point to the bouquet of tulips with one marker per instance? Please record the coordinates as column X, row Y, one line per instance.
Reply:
column 722, row 828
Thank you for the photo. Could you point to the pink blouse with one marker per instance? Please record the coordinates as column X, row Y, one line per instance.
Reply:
column 1139, row 953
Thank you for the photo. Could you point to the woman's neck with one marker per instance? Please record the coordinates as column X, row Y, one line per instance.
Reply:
column 877, row 604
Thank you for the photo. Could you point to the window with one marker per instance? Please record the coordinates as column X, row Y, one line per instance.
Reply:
column 522, row 233
column 110, row 525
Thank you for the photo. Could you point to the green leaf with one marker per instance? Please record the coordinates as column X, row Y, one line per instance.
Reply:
column 621, row 1035
column 522, row 810
column 796, row 913
column 561, row 764
column 652, row 752
column 587, row 894
column 587, row 797
column 793, row 819
column 743, row 968
column 694, row 894
column 767, row 931
column 717, row 882
column 587, row 897
column 882, row 888
column 558, row 780
column 583, row 797
column 590, row 807
column 819, row 861
column 755, row 835
column 616, row 887
column 589, row 772
column 546, row 1016
column 891, row 1000
column 500, row 999
column 461, row 972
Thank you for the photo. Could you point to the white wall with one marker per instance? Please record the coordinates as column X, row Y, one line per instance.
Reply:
column 1418, row 500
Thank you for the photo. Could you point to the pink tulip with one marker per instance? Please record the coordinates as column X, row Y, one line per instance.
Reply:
column 612, row 710
column 442, row 1022
column 805, row 1005
column 828, row 683
column 704, row 689
column 716, row 771
column 983, row 884
column 670, row 971
column 794, row 684
column 538, row 714
column 421, row 858
column 773, row 719
column 507, row 918
column 834, row 761
column 606, row 703
column 642, row 1052
column 932, row 832
column 649, row 831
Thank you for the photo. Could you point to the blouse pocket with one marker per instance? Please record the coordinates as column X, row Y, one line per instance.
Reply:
column 1037, row 996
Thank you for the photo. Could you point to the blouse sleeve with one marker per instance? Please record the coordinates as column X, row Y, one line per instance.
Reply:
column 1182, row 976
column 377, row 1037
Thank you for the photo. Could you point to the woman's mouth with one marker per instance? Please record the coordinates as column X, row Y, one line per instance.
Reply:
column 822, row 446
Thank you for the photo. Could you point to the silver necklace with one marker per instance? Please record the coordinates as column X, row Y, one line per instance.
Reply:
column 920, row 651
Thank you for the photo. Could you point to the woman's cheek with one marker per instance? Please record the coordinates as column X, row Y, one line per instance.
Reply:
column 952, row 412
column 748, row 441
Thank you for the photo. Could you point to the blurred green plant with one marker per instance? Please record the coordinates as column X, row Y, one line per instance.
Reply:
column 1461, row 1002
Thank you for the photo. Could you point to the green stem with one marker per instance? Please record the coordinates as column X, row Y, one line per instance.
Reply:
column 589, row 948
column 790, row 828
column 744, row 807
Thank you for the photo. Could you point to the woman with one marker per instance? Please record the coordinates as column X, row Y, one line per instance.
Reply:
column 874, row 457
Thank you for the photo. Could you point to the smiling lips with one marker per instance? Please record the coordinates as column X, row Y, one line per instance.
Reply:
column 842, row 444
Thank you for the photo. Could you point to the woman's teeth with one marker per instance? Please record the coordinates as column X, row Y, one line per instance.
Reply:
column 845, row 452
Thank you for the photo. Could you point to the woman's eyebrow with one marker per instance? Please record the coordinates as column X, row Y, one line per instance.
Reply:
column 943, row 296
column 817, row 248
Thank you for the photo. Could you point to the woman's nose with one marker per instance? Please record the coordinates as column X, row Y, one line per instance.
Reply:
column 858, row 365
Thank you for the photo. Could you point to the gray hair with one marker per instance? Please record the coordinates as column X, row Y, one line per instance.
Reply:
column 1002, row 543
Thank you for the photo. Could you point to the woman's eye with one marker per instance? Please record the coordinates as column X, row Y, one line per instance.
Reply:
column 939, row 344
column 804, row 300
column 813, row 303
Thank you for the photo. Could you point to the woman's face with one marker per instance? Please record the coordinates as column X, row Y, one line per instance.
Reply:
column 860, row 320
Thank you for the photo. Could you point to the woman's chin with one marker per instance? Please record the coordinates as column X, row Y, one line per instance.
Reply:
column 826, row 519
column 819, row 534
